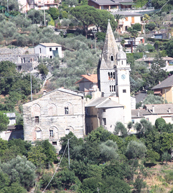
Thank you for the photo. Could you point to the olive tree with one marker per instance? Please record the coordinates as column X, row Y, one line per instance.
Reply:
column 135, row 150
column 20, row 170
column 120, row 129
column 108, row 150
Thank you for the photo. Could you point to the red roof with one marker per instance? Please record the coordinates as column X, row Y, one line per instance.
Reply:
column 92, row 78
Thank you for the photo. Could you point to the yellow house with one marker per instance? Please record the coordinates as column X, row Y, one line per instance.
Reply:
column 165, row 89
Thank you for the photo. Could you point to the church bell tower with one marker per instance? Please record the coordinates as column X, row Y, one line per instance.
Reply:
column 114, row 73
column 106, row 72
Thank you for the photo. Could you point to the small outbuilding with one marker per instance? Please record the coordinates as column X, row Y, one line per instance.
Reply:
column 48, row 50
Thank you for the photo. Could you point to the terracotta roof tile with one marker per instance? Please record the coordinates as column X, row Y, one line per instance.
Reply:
column 91, row 78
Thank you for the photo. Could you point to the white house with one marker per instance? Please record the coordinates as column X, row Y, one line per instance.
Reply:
column 26, row 5
column 128, row 19
column 48, row 50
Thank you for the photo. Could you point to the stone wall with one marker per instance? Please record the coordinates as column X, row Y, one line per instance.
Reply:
column 48, row 115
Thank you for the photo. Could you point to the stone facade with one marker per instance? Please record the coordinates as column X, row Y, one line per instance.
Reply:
column 53, row 116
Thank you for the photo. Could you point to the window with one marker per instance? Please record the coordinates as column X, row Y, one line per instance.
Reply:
column 50, row 56
column 124, row 90
column 122, row 62
column 56, row 49
column 51, row 133
column 133, row 121
column 114, row 75
column 50, row 49
column 66, row 110
column 36, row 119
column 112, row 58
column 40, row 50
column 110, row 88
column 108, row 75
column 38, row 134
column 104, row 121
column 104, row 110
column 54, row 142
column 19, row 68
column 67, row 131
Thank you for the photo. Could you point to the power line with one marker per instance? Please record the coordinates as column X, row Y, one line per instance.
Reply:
column 56, row 168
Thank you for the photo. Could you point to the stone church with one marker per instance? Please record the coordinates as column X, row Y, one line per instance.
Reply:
column 57, row 113
column 53, row 116
column 114, row 103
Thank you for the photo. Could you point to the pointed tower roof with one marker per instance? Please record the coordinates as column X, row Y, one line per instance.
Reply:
column 110, row 50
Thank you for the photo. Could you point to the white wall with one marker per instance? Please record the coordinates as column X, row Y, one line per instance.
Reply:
column 45, row 51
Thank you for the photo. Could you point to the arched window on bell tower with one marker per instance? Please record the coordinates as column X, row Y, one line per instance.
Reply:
column 112, row 58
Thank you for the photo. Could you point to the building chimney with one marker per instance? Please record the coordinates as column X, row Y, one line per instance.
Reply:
column 44, row 92
column 169, row 110
column 153, row 108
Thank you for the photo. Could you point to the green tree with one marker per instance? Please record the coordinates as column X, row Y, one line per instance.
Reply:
column 155, row 75
column 143, row 126
column 85, row 14
column 108, row 150
column 151, row 26
column 20, row 170
column 137, row 26
column 117, row 18
column 37, row 157
column 160, row 123
column 139, row 184
column 153, row 99
column 54, row 12
column 169, row 48
column 4, row 180
column 43, row 69
column 114, row 184
column 14, row 188
column 4, row 121
column 136, row 150
column 49, row 150
column 166, row 157
column 120, row 129
column 24, row 146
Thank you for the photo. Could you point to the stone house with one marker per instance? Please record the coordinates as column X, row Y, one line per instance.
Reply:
column 53, row 116
column 88, row 84
column 48, row 50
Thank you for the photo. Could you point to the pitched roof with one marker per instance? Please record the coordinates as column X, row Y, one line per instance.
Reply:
column 139, row 113
column 104, row 102
column 110, row 2
column 92, row 78
column 50, row 44
column 161, row 109
column 108, row 103
column 168, row 82
column 61, row 90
